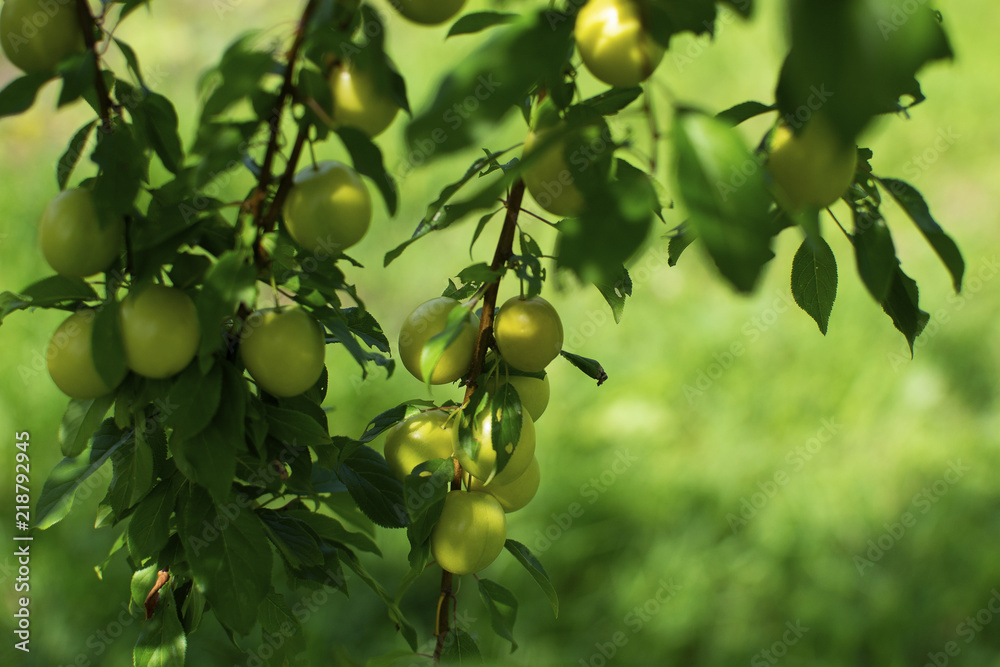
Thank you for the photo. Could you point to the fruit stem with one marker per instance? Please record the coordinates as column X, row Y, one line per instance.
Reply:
column 504, row 249
column 87, row 25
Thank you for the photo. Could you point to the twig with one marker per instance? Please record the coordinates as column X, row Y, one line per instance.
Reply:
column 87, row 25
column 287, row 88
column 505, row 246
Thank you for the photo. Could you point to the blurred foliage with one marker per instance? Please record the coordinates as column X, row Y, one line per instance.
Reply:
column 717, row 491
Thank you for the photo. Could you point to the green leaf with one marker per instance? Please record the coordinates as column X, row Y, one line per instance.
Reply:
column 723, row 187
column 502, row 606
column 193, row 399
column 617, row 220
column 742, row 112
column 913, row 203
column 507, row 422
column 682, row 237
column 386, row 420
column 499, row 75
column 669, row 17
column 295, row 540
column 69, row 159
column 161, row 642
column 230, row 558
column 156, row 120
column 855, row 60
column 56, row 290
column 281, row 628
column 373, row 486
column 20, row 93
column 292, row 427
column 425, row 490
column 56, row 498
column 610, row 102
column 367, row 159
column 78, row 73
column 435, row 347
column 149, row 526
column 107, row 346
column 331, row 530
column 81, row 419
column 902, row 304
column 132, row 477
column 395, row 614
column 460, row 648
column 441, row 214
column 616, row 293
column 535, row 569
column 237, row 75
column 590, row 367
column 814, row 280
column 123, row 168
column 479, row 21
column 230, row 282
column 874, row 250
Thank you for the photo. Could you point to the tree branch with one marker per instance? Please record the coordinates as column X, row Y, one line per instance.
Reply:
column 87, row 25
column 274, row 120
column 505, row 248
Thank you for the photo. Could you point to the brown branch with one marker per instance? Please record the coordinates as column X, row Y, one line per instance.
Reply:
column 286, row 91
column 87, row 25
column 505, row 248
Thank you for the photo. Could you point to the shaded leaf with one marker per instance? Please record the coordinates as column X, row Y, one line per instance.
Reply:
column 915, row 206
column 722, row 184
column 814, row 280
column 535, row 569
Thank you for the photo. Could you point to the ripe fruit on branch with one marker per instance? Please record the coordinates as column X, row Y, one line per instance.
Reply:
column 428, row 12
column 73, row 240
column 528, row 332
column 428, row 320
column 812, row 168
column 283, row 350
column 160, row 331
column 359, row 101
column 548, row 177
column 70, row 358
column 328, row 209
column 37, row 36
column 470, row 533
column 614, row 43
column 420, row 438
column 515, row 494
column 482, row 464
column 534, row 393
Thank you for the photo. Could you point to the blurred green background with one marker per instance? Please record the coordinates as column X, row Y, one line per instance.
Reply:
column 809, row 500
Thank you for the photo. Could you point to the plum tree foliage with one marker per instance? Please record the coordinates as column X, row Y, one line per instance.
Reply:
column 194, row 359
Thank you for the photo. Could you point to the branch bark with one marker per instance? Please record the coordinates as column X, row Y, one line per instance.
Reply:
column 504, row 249
column 87, row 25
